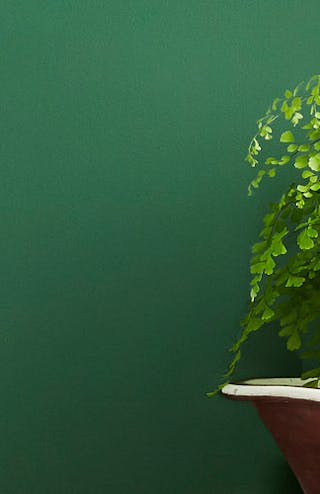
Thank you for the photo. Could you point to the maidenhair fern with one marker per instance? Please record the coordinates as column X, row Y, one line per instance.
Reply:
column 285, row 263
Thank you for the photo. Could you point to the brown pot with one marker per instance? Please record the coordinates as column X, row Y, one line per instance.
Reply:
column 292, row 414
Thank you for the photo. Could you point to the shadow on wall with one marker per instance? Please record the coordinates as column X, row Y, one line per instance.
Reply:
column 265, row 355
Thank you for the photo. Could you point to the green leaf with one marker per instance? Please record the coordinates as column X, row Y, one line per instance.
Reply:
column 253, row 162
column 284, row 160
column 278, row 248
column 233, row 364
column 256, row 280
column 316, row 267
column 275, row 103
column 211, row 394
column 311, row 373
column 304, row 147
column 271, row 160
column 258, row 247
column 287, row 136
column 296, row 117
column 289, row 113
column 267, row 314
column 254, row 324
column 295, row 281
column 302, row 188
column 296, row 103
column 301, row 161
column 314, row 162
column 257, row 268
column 312, row 233
column 307, row 174
column 314, row 134
column 315, row 186
column 287, row 331
column 304, row 241
column 255, row 144
column 312, row 384
column 272, row 172
column 254, row 292
column 268, row 219
column 300, row 203
column 287, row 93
column 269, row 265
column 255, row 182
column 294, row 342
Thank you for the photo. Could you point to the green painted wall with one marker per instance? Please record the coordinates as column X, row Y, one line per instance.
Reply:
column 125, row 240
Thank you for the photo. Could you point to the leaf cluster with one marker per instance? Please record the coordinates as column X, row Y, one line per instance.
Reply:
column 285, row 262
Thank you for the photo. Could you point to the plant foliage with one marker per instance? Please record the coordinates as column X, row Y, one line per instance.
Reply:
column 285, row 263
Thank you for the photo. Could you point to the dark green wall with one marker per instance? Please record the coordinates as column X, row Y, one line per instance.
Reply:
column 125, row 240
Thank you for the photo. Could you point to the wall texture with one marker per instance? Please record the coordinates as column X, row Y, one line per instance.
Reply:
column 125, row 240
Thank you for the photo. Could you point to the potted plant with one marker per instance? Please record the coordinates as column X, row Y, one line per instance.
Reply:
column 285, row 285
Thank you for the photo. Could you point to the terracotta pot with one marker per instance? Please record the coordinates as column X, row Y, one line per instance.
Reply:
column 292, row 414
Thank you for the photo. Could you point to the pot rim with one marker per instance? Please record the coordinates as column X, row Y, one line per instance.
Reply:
column 284, row 387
